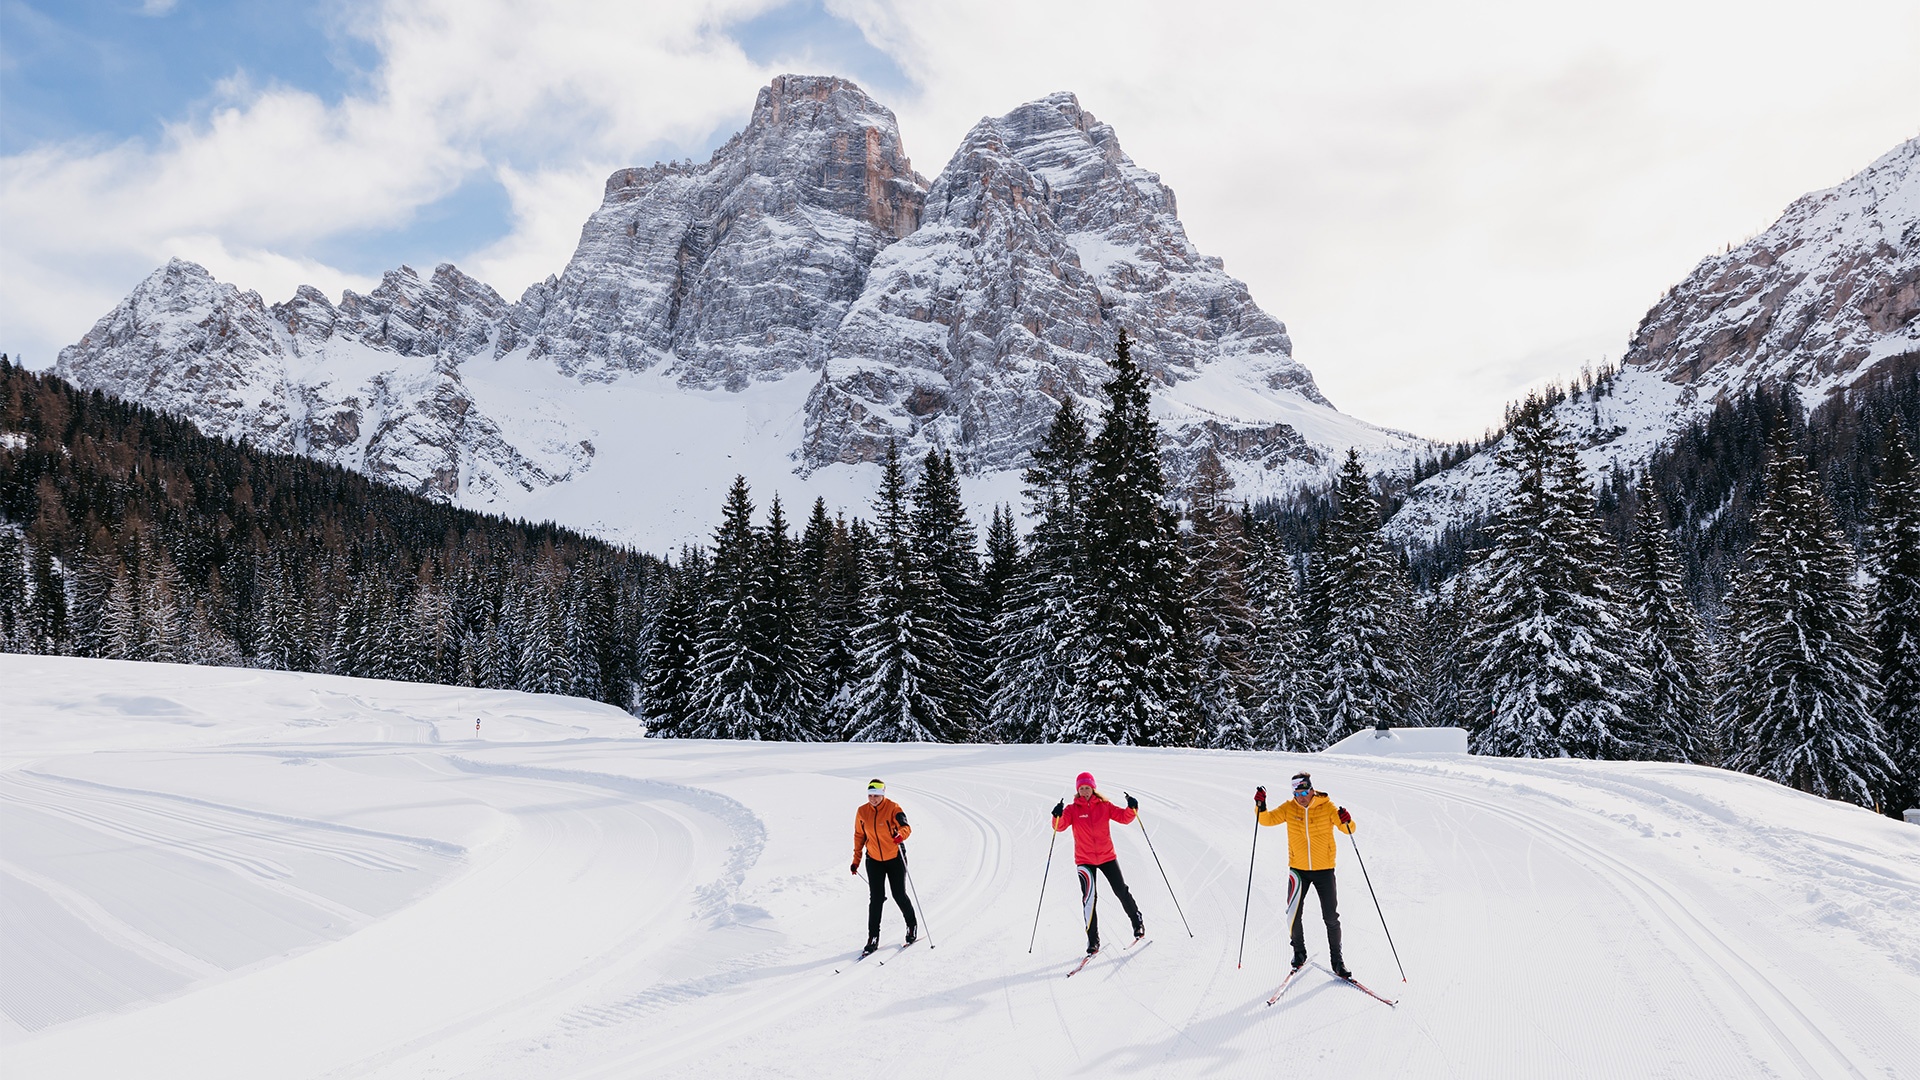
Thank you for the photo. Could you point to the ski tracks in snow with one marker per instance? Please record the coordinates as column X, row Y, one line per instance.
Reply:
column 1797, row 1034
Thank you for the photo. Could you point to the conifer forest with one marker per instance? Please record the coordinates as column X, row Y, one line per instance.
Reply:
column 1751, row 599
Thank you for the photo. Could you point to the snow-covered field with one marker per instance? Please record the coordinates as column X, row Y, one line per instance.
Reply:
column 221, row 873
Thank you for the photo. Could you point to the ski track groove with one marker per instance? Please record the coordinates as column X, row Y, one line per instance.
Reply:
column 1658, row 900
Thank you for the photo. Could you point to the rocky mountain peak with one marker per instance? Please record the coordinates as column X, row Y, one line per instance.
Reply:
column 1041, row 239
column 1831, row 287
column 739, row 269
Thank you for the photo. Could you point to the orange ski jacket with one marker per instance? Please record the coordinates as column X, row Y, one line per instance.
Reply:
column 878, row 830
column 1309, row 830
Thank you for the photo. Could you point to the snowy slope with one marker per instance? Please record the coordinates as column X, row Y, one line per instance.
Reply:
column 1817, row 301
column 218, row 873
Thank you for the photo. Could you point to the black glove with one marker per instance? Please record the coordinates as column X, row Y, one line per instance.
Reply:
column 855, row 868
column 1260, row 798
column 1132, row 803
column 1059, row 808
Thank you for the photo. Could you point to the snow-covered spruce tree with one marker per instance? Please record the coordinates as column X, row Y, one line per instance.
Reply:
column 1367, row 603
column 1670, row 717
column 1441, row 666
column 734, row 666
column 1040, row 635
column 1138, row 668
column 1800, row 683
column 1896, row 618
column 672, row 651
column 944, row 544
column 1287, row 690
column 1223, row 621
column 1553, row 639
column 901, row 673
column 1002, row 563
column 840, row 608
column 15, row 594
column 792, row 694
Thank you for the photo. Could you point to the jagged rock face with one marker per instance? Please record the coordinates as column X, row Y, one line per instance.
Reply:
column 805, row 268
column 188, row 344
column 1831, row 287
column 738, row 269
column 451, row 315
column 1041, row 240
column 1826, row 293
column 185, row 342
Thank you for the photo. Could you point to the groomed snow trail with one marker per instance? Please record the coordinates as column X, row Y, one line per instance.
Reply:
column 218, row 873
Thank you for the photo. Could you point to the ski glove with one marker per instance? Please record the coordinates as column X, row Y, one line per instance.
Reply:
column 1133, row 803
column 1345, row 818
column 855, row 868
column 1059, row 808
column 1260, row 798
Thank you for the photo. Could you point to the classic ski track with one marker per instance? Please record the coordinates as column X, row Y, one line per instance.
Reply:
column 585, row 1011
column 773, row 1005
column 1708, row 945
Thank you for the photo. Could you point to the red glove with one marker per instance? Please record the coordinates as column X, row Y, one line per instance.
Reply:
column 1260, row 798
column 1345, row 818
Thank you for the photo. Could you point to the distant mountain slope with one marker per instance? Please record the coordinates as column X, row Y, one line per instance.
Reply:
column 783, row 310
column 1823, row 297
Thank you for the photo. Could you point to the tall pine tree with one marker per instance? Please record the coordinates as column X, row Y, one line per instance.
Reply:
column 944, row 545
column 903, row 671
column 734, row 665
column 1139, row 662
column 1223, row 620
column 1896, row 618
column 1800, row 683
column 1553, row 671
column 1287, row 690
column 1366, row 603
column 1671, row 716
column 1040, row 637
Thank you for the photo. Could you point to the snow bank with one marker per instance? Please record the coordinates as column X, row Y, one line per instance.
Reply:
column 1403, row 740
column 209, row 873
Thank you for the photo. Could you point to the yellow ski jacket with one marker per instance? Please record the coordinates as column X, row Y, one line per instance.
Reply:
column 1309, row 830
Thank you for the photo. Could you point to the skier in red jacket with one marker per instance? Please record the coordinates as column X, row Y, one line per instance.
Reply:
column 1089, row 816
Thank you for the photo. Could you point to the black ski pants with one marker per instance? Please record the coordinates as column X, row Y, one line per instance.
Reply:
column 1322, row 882
column 882, row 872
column 1090, row 897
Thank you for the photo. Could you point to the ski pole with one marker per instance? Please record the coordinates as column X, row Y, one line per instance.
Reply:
column 1044, row 874
column 918, row 906
column 1163, row 875
column 1245, row 911
column 1376, row 906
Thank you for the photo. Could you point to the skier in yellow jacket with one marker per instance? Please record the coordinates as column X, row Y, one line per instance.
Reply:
column 1310, row 817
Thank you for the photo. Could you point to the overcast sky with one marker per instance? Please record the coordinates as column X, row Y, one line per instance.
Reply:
column 1445, row 203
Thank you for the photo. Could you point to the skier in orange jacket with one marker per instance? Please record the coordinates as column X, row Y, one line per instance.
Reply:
column 879, row 828
column 1310, row 817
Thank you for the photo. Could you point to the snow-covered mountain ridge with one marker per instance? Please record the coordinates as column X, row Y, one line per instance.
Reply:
column 783, row 310
column 1825, row 294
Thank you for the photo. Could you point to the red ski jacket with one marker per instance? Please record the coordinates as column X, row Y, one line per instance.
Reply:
column 1089, row 817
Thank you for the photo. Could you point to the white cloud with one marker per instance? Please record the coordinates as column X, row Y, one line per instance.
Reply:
column 1445, row 203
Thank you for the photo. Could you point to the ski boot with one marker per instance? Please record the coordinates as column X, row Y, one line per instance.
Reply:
column 873, row 944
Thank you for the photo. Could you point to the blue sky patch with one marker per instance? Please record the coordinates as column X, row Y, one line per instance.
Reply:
column 101, row 69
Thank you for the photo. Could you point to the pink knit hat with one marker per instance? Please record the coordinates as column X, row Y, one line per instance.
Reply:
column 1085, row 779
